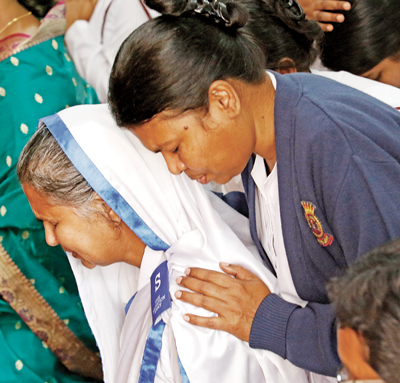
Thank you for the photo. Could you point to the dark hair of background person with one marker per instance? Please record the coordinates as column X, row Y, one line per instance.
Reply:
column 39, row 8
column 369, row 34
column 367, row 299
column 281, row 35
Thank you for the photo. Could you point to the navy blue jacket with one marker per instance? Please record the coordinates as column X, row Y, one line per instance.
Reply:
column 338, row 152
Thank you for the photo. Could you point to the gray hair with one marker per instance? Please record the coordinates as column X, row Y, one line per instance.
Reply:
column 367, row 299
column 44, row 166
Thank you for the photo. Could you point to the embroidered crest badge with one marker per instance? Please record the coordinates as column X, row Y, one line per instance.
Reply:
column 324, row 239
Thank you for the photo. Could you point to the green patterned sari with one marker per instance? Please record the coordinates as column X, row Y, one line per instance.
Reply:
column 37, row 81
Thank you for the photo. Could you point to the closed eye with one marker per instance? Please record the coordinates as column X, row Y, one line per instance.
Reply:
column 176, row 150
column 51, row 223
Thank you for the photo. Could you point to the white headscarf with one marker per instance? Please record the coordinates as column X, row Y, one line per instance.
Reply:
column 169, row 213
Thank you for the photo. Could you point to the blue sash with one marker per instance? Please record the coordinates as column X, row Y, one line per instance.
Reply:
column 116, row 202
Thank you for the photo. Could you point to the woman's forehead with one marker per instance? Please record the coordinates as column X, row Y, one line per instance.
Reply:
column 40, row 204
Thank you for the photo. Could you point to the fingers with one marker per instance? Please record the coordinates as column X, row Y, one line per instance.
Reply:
column 237, row 271
column 212, row 304
column 327, row 17
column 317, row 10
column 332, row 5
column 235, row 321
column 326, row 27
column 213, row 323
column 215, row 277
column 234, row 300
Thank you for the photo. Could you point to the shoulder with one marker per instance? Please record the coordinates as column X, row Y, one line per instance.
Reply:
column 386, row 93
column 324, row 105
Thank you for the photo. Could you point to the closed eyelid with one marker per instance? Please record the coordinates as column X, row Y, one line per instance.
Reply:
column 46, row 220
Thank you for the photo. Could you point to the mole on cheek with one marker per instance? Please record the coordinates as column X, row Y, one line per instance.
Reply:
column 186, row 127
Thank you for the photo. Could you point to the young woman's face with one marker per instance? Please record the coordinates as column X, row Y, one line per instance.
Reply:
column 94, row 242
column 387, row 71
column 205, row 150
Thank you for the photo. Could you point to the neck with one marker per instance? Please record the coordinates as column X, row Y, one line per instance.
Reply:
column 11, row 9
column 132, row 245
column 261, row 102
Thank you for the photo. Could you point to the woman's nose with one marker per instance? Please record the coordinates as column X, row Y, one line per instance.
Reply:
column 174, row 163
column 51, row 237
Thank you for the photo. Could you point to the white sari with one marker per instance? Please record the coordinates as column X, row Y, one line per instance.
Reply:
column 179, row 222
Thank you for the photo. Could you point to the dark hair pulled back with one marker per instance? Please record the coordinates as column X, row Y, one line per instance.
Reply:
column 369, row 34
column 282, row 33
column 171, row 61
column 39, row 8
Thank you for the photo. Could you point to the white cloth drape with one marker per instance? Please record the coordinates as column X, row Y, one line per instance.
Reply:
column 180, row 213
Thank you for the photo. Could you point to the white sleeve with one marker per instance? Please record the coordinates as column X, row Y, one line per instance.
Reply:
column 89, row 58
column 386, row 93
column 94, row 44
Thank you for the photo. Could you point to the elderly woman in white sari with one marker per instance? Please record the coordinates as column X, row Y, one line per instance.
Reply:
column 110, row 202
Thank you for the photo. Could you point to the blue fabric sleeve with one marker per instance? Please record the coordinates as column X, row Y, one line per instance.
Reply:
column 347, row 164
column 268, row 330
column 306, row 336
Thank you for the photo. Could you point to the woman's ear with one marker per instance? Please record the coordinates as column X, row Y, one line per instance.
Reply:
column 223, row 99
column 112, row 215
column 286, row 66
column 354, row 354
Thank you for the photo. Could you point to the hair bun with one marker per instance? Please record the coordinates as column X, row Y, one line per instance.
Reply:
column 230, row 14
column 238, row 15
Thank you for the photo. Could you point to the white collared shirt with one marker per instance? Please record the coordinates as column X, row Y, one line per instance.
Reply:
column 269, row 228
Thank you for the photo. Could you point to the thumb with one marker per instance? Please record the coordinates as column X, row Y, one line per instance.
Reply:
column 237, row 271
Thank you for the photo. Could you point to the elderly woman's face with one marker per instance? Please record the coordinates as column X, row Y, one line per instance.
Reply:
column 94, row 241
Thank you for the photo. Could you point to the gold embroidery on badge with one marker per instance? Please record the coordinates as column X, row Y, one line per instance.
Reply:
column 315, row 225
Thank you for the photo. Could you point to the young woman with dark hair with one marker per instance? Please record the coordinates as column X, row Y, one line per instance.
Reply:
column 367, row 43
column 288, row 40
column 291, row 44
column 318, row 167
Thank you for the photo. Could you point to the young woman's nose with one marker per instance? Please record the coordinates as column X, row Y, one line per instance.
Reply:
column 174, row 163
column 51, row 237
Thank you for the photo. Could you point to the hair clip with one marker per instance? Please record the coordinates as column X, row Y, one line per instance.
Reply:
column 295, row 9
column 213, row 8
